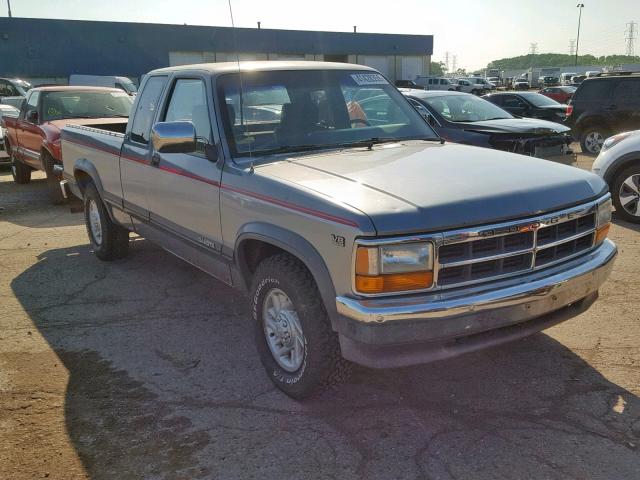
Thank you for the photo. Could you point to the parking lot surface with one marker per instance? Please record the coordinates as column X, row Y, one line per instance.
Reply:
column 146, row 368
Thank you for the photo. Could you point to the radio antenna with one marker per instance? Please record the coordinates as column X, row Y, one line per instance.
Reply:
column 241, row 93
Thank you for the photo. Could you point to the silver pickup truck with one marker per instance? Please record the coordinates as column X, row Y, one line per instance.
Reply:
column 359, row 235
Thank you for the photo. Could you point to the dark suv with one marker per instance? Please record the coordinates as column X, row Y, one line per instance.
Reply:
column 603, row 106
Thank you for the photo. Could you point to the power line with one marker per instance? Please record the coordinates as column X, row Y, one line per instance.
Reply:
column 572, row 47
column 533, row 49
column 630, row 33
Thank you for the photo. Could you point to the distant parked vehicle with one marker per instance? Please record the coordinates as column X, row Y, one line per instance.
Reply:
column 565, row 78
column 495, row 81
column 592, row 73
column 467, row 119
column 8, row 111
column 619, row 165
column 33, row 138
column 408, row 84
column 437, row 83
column 521, row 84
column 603, row 106
column 577, row 80
column 123, row 83
column 482, row 81
column 468, row 86
column 529, row 104
column 13, row 87
column 548, row 81
column 561, row 94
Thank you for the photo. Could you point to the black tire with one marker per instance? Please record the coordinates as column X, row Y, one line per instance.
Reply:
column 617, row 186
column 322, row 365
column 586, row 144
column 474, row 92
column 114, row 239
column 53, row 182
column 20, row 172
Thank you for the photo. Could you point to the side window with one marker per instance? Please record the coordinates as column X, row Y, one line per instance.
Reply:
column 443, row 81
column 189, row 103
column 31, row 104
column 595, row 91
column 510, row 101
column 146, row 109
column 626, row 93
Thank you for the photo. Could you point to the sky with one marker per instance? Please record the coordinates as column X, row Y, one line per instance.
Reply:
column 476, row 31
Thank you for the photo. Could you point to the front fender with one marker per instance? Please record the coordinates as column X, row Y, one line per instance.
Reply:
column 297, row 246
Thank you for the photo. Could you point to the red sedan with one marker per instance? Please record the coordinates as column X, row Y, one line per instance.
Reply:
column 560, row 94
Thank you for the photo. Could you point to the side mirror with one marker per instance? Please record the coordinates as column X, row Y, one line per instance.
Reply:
column 173, row 137
column 32, row 116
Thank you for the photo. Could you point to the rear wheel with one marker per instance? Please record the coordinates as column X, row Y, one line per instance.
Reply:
column 109, row 240
column 20, row 172
column 625, row 193
column 297, row 346
column 592, row 139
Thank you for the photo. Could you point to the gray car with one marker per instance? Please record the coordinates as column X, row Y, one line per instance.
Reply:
column 357, row 233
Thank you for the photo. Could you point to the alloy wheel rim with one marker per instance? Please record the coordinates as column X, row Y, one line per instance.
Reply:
column 94, row 222
column 283, row 331
column 594, row 141
column 629, row 195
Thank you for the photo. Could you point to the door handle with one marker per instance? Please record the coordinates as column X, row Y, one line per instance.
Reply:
column 155, row 160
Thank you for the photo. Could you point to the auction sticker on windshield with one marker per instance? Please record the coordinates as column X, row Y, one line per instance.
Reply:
column 368, row 79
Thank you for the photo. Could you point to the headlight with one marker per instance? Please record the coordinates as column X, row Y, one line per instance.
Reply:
column 603, row 220
column 616, row 139
column 391, row 268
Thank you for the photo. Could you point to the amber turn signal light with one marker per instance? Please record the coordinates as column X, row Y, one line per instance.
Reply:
column 396, row 282
column 602, row 233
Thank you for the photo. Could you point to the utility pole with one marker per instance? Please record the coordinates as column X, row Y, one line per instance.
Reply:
column 446, row 60
column 453, row 64
column 9, row 7
column 533, row 49
column 630, row 33
column 580, row 6
column 572, row 47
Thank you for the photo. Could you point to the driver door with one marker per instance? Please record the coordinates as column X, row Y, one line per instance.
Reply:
column 29, row 133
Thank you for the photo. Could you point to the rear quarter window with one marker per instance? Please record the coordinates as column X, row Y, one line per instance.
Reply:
column 594, row 91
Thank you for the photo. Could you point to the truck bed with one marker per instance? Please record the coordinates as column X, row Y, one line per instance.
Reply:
column 100, row 145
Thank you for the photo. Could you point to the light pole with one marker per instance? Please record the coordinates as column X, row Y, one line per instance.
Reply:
column 580, row 6
column 9, row 7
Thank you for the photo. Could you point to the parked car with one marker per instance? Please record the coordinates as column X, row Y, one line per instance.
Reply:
column 464, row 118
column 9, row 111
column 467, row 86
column 604, row 106
column 122, row 83
column 577, row 80
column 592, row 73
column 548, row 81
column 520, row 84
column 33, row 138
column 495, row 81
column 13, row 87
column 482, row 81
column 408, row 84
column 565, row 78
column 437, row 83
column 530, row 105
column 619, row 165
column 561, row 94
column 359, row 236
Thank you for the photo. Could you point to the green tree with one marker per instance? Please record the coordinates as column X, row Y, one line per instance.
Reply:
column 559, row 60
column 437, row 68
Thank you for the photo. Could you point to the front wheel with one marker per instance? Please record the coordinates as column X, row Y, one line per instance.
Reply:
column 109, row 240
column 625, row 194
column 293, row 334
column 592, row 139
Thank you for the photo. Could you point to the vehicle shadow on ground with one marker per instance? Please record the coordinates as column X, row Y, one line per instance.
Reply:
column 618, row 221
column 29, row 206
column 164, row 382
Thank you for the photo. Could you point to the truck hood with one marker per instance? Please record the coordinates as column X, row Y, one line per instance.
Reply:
column 516, row 125
column 424, row 187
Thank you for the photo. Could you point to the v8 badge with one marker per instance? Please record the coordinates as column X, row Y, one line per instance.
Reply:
column 337, row 240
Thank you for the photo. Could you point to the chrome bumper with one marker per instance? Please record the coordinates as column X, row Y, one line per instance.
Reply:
column 517, row 300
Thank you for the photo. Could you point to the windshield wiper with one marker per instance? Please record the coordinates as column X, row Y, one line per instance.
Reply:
column 293, row 148
column 370, row 142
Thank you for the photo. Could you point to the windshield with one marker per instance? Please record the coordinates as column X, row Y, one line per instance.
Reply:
column 309, row 109
column 539, row 100
column 128, row 86
column 85, row 104
column 465, row 108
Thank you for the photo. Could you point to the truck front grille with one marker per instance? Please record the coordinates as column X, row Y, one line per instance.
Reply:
column 504, row 250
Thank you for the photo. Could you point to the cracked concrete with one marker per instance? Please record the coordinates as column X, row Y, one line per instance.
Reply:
column 143, row 368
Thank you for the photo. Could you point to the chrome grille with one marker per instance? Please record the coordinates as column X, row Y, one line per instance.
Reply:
column 508, row 249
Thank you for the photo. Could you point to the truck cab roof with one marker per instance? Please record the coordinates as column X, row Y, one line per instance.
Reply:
column 267, row 65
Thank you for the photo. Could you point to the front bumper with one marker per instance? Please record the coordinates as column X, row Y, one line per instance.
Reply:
column 393, row 332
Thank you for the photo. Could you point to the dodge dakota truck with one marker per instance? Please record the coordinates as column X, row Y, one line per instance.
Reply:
column 33, row 138
column 360, row 236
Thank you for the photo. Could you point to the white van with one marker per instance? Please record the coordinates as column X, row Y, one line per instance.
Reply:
column 122, row 83
column 593, row 73
column 565, row 78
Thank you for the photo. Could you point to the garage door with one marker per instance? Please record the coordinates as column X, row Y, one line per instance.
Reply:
column 411, row 67
column 379, row 62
